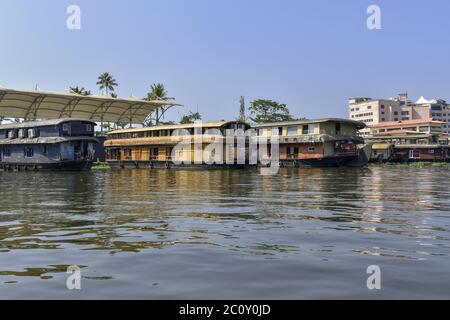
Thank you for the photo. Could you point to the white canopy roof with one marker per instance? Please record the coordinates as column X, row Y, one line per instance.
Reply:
column 422, row 100
column 46, row 105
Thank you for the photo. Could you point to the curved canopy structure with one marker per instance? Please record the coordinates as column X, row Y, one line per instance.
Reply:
column 31, row 105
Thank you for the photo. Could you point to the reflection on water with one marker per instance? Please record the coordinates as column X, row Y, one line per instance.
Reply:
column 305, row 233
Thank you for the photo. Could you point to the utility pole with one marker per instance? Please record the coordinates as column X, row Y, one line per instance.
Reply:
column 242, row 109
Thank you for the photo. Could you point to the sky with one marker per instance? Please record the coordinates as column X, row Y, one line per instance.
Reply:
column 309, row 54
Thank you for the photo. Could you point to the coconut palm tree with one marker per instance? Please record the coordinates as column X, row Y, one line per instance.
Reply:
column 106, row 82
column 158, row 92
column 80, row 91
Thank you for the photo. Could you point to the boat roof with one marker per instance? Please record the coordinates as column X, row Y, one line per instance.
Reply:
column 41, row 123
column 34, row 104
column 405, row 123
column 358, row 124
column 216, row 124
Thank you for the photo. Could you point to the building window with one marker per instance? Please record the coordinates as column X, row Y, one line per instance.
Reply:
column 382, row 106
column 369, row 107
column 395, row 113
column 383, row 119
column 29, row 152
column 395, row 119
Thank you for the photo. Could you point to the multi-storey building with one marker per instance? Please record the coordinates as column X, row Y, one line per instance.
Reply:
column 375, row 111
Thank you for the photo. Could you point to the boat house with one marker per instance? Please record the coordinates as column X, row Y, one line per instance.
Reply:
column 61, row 144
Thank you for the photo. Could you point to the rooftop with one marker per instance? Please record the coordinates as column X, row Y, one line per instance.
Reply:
column 33, row 104
column 43, row 123
column 358, row 124
column 217, row 124
column 405, row 123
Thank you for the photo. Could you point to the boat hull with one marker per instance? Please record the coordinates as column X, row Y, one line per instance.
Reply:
column 76, row 165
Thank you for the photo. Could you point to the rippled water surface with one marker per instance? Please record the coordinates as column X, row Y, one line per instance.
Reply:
column 164, row 234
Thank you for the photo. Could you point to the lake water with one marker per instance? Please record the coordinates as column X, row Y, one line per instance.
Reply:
column 187, row 234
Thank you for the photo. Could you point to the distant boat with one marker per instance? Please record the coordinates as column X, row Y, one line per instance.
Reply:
column 60, row 144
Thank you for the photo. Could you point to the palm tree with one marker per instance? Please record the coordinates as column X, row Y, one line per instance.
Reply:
column 158, row 92
column 80, row 91
column 106, row 82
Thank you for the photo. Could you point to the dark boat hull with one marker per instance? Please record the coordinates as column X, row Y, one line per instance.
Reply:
column 324, row 162
column 76, row 165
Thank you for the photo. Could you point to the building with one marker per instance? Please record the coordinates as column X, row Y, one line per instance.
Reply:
column 406, row 127
column 62, row 144
column 375, row 111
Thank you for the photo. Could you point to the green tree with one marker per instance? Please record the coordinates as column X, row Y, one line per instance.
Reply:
column 106, row 82
column 80, row 91
column 264, row 111
column 114, row 95
column 157, row 92
column 190, row 118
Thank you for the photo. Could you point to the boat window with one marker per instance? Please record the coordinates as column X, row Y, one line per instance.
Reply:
column 338, row 128
column 7, row 152
column 311, row 149
column 44, row 149
column 65, row 127
column 22, row 133
column 12, row 134
column 292, row 131
column 29, row 152
column 32, row 133
column 305, row 129
column 88, row 127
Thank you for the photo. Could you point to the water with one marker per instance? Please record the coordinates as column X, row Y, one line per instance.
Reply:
column 306, row 233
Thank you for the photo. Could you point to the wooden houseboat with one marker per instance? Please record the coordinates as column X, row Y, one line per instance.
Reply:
column 61, row 144
column 409, row 148
column 153, row 147
column 322, row 143
column 409, row 141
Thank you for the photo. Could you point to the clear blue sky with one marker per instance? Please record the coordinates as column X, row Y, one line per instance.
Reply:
column 311, row 55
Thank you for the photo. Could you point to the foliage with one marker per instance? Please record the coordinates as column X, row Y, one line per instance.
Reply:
column 80, row 91
column 106, row 82
column 190, row 118
column 264, row 111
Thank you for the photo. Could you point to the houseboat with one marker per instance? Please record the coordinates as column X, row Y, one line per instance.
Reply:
column 61, row 144
column 159, row 146
column 409, row 141
column 318, row 143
